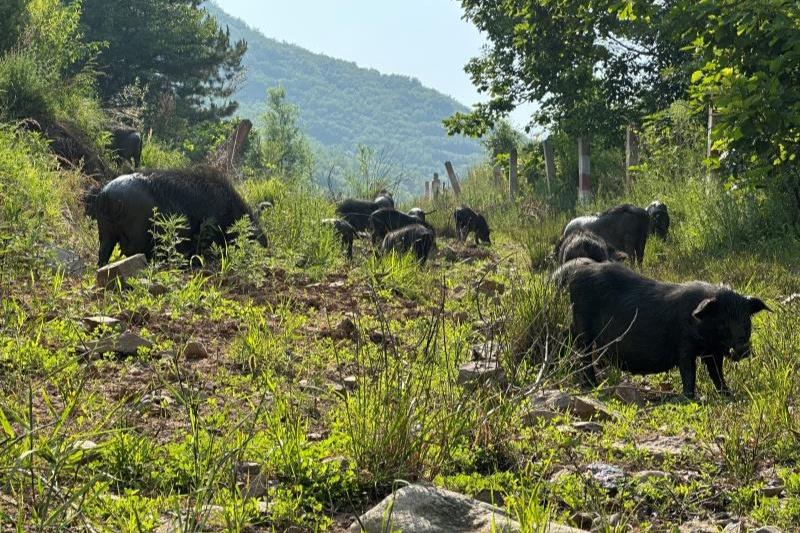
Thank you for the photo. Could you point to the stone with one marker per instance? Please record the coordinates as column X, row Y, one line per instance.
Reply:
column 97, row 321
column 124, row 269
column 768, row 529
column 698, row 526
column 350, row 383
column 481, row 372
column 650, row 475
column 249, row 468
column 533, row 416
column 579, row 406
column 69, row 262
column 194, row 351
column 126, row 343
column 588, row 427
column 607, row 476
column 421, row 508
column 663, row 447
column 773, row 488
column 314, row 436
column 460, row 317
column 86, row 449
column 485, row 350
column 735, row 527
column 794, row 297
column 345, row 329
column 156, row 401
column 582, row 520
column 627, row 393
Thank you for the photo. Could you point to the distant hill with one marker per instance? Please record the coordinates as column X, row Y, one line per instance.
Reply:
column 343, row 105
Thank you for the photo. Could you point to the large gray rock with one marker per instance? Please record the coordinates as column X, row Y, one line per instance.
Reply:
column 65, row 260
column 425, row 509
column 126, row 343
column 477, row 373
column 124, row 269
column 581, row 407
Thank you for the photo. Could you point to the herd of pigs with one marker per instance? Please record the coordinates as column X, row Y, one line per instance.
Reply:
column 639, row 325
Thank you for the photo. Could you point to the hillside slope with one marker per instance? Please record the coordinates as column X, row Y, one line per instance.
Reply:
column 343, row 105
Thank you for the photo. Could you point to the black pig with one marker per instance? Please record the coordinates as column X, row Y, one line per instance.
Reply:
column 584, row 243
column 124, row 208
column 415, row 237
column 356, row 212
column 659, row 219
column 468, row 221
column 346, row 232
column 624, row 227
column 648, row 326
column 385, row 220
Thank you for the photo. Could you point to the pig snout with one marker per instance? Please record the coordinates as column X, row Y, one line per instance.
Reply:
column 742, row 351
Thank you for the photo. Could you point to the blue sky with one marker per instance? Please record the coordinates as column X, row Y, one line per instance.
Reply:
column 426, row 39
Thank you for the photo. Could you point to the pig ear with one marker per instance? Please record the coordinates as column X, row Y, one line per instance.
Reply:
column 756, row 305
column 705, row 309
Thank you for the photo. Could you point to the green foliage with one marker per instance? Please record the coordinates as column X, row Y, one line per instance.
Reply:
column 283, row 150
column 589, row 65
column 187, row 63
column 746, row 52
column 13, row 16
column 157, row 155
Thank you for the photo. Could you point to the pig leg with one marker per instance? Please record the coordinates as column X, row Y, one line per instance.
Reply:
column 714, row 366
column 106, row 248
column 349, row 247
column 687, row 365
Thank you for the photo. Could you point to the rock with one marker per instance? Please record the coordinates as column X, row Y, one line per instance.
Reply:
column 460, row 317
column 579, row 406
column 338, row 388
column 337, row 284
column 663, row 447
column 476, row 373
column 602, row 523
column 486, row 350
column 531, row 417
column 85, row 449
column 768, row 529
column 650, row 475
column 123, row 269
column 607, row 476
column 69, row 262
column 249, row 468
column 627, row 393
column 794, row 297
column 698, row 526
column 381, row 339
column 588, row 427
column 126, row 343
column 314, row 436
column 419, row 508
column 582, row 520
column 157, row 401
column 773, row 488
column 195, row 350
column 94, row 322
column 735, row 527
column 350, row 383
column 256, row 486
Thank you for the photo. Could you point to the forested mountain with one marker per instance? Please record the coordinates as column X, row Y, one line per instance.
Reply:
column 343, row 105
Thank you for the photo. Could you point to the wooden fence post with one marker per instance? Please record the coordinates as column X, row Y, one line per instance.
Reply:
column 631, row 152
column 451, row 173
column 513, row 183
column 435, row 186
column 584, row 185
column 497, row 173
column 549, row 163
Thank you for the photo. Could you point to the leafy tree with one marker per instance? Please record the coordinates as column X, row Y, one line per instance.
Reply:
column 591, row 65
column 174, row 48
column 750, row 52
column 284, row 148
column 12, row 20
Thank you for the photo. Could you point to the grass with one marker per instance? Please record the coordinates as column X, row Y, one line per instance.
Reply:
column 327, row 380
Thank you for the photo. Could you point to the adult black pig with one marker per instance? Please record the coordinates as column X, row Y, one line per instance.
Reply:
column 346, row 232
column 126, row 144
column 624, row 227
column 385, row 220
column 356, row 212
column 468, row 221
column 648, row 326
column 659, row 219
column 416, row 238
column 124, row 208
column 584, row 243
